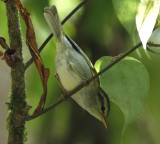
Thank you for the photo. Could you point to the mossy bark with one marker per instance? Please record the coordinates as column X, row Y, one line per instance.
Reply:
column 17, row 104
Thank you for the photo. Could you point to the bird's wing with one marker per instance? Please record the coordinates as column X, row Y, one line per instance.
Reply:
column 78, row 64
column 78, row 49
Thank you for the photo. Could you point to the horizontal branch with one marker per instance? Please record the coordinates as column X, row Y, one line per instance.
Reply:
column 84, row 84
column 51, row 35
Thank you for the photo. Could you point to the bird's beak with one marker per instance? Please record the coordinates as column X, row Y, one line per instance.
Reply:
column 104, row 122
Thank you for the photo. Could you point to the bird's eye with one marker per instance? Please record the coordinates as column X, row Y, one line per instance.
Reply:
column 103, row 108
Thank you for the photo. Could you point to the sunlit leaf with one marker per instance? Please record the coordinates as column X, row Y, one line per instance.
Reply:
column 146, row 19
column 127, row 85
column 32, row 45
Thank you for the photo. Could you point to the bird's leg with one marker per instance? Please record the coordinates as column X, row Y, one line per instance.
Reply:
column 84, row 80
column 59, row 82
column 78, row 73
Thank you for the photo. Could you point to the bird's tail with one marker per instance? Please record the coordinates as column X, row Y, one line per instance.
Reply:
column 52, row 18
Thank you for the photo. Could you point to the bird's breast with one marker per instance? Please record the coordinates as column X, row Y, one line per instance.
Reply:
column 69, row 79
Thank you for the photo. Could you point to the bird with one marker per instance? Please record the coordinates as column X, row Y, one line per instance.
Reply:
column 73, row 67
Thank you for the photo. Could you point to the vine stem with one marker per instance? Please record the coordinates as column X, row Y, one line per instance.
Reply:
column 84, row 84
column 51, row 35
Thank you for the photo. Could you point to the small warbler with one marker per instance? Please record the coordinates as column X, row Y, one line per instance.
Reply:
column 73, row 67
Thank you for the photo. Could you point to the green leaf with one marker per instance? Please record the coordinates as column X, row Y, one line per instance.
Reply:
column 127, row 85
column 126, row 12
column 146, row 19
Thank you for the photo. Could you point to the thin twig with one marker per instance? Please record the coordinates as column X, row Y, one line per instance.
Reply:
column 51, row 35
column 84, row 84
column 153, row 44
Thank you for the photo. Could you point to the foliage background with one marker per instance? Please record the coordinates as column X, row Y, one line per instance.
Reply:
column 97, row 30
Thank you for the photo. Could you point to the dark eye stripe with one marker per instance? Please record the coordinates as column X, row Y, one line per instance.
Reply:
column 103, row 109
column 104, row 99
